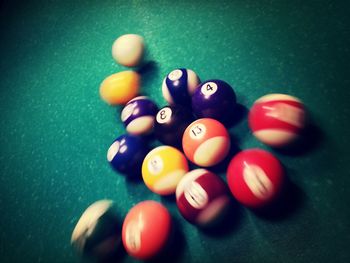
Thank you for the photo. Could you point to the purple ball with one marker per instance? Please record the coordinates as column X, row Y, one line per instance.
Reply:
column 214, row 99
column 138, row 115
column 126, row 154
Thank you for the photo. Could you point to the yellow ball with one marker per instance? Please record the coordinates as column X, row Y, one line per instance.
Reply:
column 163, row 168
column 119, row 88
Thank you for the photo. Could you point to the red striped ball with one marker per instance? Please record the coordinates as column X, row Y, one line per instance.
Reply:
column 277, row 119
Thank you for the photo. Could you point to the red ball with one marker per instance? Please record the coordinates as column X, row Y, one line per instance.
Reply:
column 206, row 142
column 255, row 177
column 146, row 229
column 202, row 197
column 277, row 119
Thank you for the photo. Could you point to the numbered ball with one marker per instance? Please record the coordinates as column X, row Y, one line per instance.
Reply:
column 170, row 124
column 201, row 197
column 163, row 168
column 128, row 50
column 119, row 88
column 255, row 177
column 277, row 119
column 138, row 115
column 146, row 230
column 206, row 142
column 179, row 85
column 98, row 231
column 126, row 154
column 214, row 99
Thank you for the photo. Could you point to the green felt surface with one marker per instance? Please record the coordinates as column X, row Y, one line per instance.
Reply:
column 55, row 130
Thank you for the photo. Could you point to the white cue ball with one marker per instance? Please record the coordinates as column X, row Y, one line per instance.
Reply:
column 128, row 50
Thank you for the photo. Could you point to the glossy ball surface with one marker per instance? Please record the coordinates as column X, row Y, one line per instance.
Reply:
column 146, row 229
column 179, row 85
column 119, row 88
column 126, row 154
column 206, row 142
column 98, row 231
column 138, row 115
column 163, row 168
column 255, row 177
column 201, row 197
column 128, row 50
column 277, row 119
column 170, row 124
column 214, row 99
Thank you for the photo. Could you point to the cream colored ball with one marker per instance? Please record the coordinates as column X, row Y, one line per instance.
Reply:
column 128, row 50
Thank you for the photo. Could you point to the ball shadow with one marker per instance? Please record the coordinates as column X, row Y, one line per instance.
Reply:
column 310, row 139
column 148, row 72
column 117, row 256
column 235, row 116
column 290, row 200
column 168, row 199
column 174, row 248
column 222, row 166
column 134, row 178
column 228, row 223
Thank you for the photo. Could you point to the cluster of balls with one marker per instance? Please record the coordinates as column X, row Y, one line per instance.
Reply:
column 191, row 127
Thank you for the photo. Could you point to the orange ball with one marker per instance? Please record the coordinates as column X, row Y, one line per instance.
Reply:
column 119, row 88
column 146, row 229
column 206, row 142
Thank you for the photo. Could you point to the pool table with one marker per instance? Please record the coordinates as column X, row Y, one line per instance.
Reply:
column 55, row 129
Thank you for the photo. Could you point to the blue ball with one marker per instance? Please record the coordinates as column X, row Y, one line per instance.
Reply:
column 126, row 154
column 214, row 99
column 179, row 85
column 138, row 115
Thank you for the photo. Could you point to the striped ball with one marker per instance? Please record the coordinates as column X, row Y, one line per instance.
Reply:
column 206, row 142
column 138, row 115
column 179, row 85
column 277, row 119
column 202, row 197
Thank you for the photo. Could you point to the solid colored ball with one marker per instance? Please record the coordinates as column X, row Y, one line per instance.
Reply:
column 119, row 88
column 202, row 197
column 206, row 142
column 255, row 177
column 126, row 154
column 277, row 119
column 138, row 115
column 128, row 50
column 163, row 168
column 146, row 229
column 170, row 124
column 98, row 231
column 179, row 85
column 214, row 99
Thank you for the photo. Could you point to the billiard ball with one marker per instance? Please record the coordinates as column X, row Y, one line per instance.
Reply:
column 277, row 119
column 170, row 124
column 119, row 88
column 128, row 50
column 98, row 231
column 214, row 99
column 202, row 197
column 255, row 177
column 206, row 142
column 138, row 115
column 126, row 154
column 162, row 169
column 179, row 85
column 146, row 230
